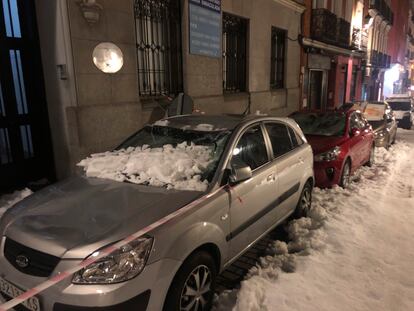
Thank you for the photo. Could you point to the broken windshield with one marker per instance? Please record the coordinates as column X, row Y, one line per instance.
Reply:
column 324, row 124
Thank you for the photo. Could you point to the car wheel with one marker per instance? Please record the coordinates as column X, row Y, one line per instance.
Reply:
column 371, row 160
column 305, row 202
column 389, row 142
column 193, row 285
column 346, row 175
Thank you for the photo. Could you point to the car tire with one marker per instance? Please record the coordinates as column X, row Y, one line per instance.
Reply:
column 305, row 202
column 199, row 265
column 393, row 138
column 371, row 159
column 345, row 175
column 389, row 143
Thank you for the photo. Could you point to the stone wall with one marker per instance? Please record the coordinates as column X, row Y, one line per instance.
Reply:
column 203, row 75
column 108, row 108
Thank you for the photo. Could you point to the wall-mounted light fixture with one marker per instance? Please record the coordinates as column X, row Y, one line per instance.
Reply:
column 91, row 10
column 107, row 57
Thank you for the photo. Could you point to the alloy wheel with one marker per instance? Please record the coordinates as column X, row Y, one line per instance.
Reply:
column 372, row 156
column 196, row 291
column 346, row 175
column 306, row 201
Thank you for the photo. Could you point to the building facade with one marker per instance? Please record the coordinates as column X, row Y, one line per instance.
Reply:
column 396, row 77
column 332, row 58
column 252, row 64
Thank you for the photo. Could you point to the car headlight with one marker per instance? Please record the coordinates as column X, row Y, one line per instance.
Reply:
column 330, row 155
column 379, row 134
column 122, row 265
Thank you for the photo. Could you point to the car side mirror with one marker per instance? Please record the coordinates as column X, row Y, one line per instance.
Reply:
column 239, row 172
column 355, row 131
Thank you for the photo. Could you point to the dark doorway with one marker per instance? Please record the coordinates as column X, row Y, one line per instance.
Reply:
column 317, row 89
column 25, row 144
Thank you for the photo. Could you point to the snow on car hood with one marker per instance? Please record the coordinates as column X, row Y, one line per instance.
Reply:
column 76, row 217
column 177, row 167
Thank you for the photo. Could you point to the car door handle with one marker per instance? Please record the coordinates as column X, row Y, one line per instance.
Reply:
column 271, row 177
column 301, row 160
column 224, row 217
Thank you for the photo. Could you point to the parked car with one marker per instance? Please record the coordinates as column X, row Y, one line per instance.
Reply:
column 342, row 141
column 266, row 161
column 402, row 105
column 383, row 122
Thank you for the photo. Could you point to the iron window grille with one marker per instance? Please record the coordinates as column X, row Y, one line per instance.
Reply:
column 278, row 52
column 159, row 47
column 234, row 53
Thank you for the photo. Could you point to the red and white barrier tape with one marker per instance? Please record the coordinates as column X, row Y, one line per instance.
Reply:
column 106, row 251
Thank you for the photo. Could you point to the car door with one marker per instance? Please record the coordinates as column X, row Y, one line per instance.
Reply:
column 252, row 199
column 288, row 157
column 391, row 125
column 356, row 140
column 367, row 138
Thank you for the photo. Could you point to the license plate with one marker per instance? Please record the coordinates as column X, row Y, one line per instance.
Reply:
column 12, row 291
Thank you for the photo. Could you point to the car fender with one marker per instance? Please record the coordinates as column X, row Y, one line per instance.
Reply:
column 197, row 235
column 308, row 171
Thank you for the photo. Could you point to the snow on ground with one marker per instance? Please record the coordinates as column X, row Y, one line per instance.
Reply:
column 8, row 200
column 354, row 252
column 177, row 167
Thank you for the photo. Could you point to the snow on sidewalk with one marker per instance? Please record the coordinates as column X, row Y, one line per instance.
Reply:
column 354, row 252
column 8, row 200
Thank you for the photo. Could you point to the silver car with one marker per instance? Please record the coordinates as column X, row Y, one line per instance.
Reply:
column 262, row 173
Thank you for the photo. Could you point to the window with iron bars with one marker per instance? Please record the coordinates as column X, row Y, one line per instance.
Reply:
column 234, row 53
column 277, row 62
column 159, row 50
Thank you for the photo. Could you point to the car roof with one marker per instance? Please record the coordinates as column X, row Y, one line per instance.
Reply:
column 399, row 98
column 216, row 122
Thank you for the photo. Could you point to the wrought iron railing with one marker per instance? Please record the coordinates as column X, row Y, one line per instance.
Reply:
column 324, row 26
column 343, row 30
column 359, row 39
column 382, row 8
column 159, row 56
column 234, row 53
column 379, row 59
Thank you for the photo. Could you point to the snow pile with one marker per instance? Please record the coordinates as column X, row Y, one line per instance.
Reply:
column 177, row 167
column 9, row 200
column 354, row 252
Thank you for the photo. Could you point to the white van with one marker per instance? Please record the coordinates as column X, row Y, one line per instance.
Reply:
column 403, row 107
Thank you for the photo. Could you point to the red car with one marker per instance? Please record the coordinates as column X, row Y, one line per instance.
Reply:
column 342, row 141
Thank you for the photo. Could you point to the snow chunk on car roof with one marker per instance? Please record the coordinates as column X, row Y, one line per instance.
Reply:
column 179, row 167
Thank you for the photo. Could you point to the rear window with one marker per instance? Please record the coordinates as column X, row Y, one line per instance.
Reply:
column 322, row 124
column 401, row 106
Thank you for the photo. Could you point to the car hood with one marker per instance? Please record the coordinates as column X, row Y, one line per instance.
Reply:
column 379, row 128
column 321, row 144
column 76, row 217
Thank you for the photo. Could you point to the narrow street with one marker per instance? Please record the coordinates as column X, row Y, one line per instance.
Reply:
column 354, row 252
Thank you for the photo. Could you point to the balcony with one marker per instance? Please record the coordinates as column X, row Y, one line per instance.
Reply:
column 359, row 39
column 381, row 7
column 324, row 26
column 378, row 59
column 343, row 32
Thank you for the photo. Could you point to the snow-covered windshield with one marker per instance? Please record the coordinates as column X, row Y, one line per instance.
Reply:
column 400, row 106
column 324, row 124
column 162, row 156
